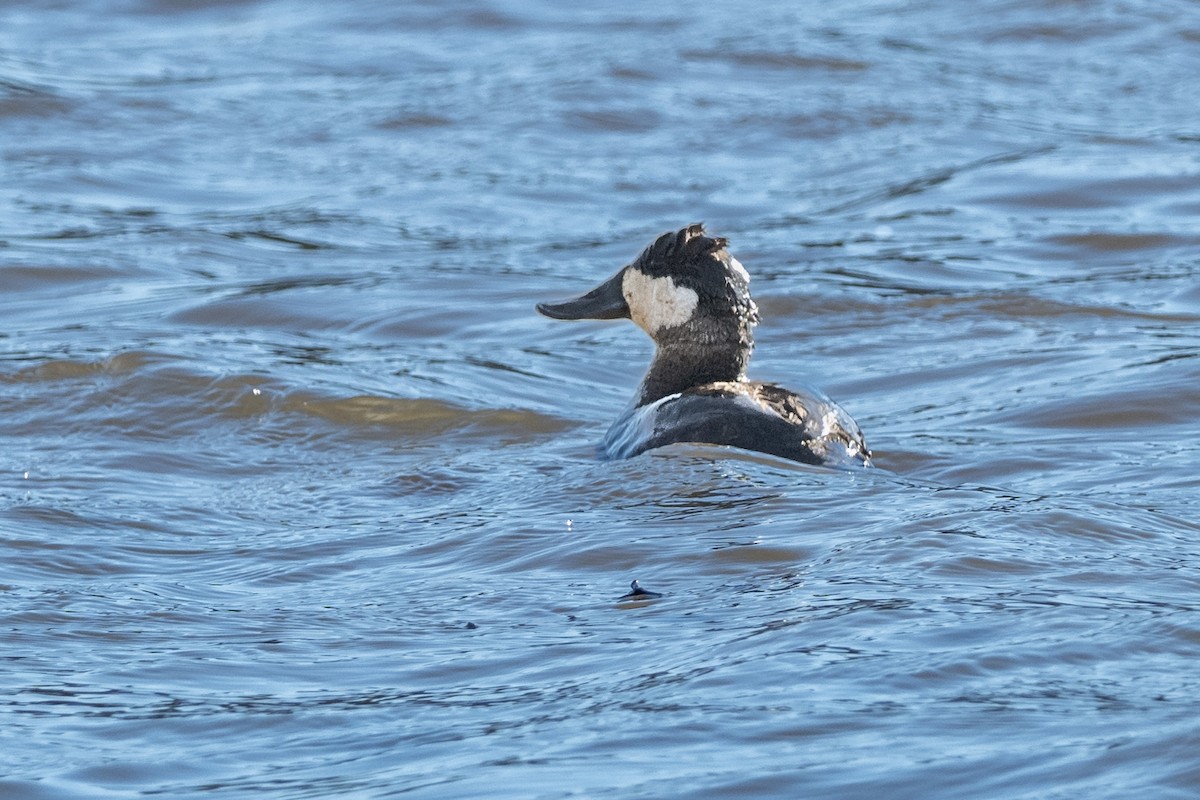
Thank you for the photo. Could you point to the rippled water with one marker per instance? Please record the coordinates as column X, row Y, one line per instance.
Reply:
column 298, row 495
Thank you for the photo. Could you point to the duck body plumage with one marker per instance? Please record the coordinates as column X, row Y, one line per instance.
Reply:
column 802, row 426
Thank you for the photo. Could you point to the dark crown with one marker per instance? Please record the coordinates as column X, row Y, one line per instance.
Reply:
column 681, row 248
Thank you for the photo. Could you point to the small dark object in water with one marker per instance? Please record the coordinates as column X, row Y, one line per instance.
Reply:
column 636, row 592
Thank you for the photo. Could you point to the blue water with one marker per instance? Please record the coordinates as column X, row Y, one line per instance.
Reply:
column 299, row 496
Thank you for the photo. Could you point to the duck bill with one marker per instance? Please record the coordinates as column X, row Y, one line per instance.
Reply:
column 606, row 301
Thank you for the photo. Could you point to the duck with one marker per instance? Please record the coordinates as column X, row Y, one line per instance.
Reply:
column 693, row 299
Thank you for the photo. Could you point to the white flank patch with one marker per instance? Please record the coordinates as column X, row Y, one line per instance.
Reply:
column 633, row 429
column 657, row 303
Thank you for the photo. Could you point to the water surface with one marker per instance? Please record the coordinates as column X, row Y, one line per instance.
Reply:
column 298, row 495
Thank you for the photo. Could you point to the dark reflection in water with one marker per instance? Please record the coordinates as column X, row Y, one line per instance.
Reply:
column 298, row 496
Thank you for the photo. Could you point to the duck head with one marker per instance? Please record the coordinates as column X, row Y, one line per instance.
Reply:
column 692, row 297
column 685, row 279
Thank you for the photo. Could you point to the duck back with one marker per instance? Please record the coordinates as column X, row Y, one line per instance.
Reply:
column 800, row 426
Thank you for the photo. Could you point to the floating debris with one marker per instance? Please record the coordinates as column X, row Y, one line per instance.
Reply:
column 636, row 592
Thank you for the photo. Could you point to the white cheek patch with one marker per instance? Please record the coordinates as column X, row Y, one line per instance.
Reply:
column 656, row 303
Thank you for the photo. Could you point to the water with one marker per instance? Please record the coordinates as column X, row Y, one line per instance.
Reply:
column 298, row 496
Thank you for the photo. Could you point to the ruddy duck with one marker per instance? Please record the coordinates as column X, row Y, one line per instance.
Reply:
column 693, row 298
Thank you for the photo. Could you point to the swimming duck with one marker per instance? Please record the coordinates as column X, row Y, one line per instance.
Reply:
column 693, row 298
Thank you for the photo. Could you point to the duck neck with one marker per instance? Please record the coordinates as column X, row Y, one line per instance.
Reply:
column 685, row 361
